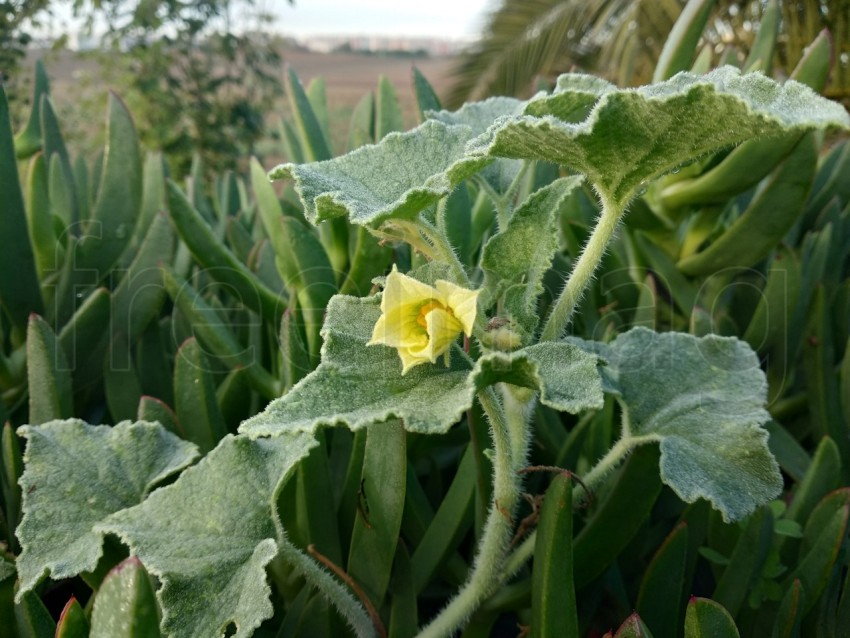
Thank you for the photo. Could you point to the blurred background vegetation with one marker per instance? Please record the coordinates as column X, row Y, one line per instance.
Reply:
column 622, row 39
column 194, row 83
column 204, row 76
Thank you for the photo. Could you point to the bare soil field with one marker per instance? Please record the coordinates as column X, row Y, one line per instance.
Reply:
column 349, row 76
column 79, row 90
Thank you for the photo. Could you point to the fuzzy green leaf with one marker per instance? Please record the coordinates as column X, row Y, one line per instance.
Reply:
column 634, row 135
column 209, row 537
column 703, row 400
column 564, row 375
column 523, row 252
column 358, row 384
column 76, row 475
column 574, row 96
column 479, row 116
column 398, row 177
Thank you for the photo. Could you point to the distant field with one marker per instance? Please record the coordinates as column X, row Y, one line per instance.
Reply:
column 349, row 76
column 78, row 90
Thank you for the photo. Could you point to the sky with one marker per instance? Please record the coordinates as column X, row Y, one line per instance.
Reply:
column 448, row 19
column 451, row 19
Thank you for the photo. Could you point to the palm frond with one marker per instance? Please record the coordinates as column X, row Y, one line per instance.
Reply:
column 524, row 39
column 622, row 39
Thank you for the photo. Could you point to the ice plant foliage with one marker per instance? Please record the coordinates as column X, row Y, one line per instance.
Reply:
column 422, row 321
column 700, row 399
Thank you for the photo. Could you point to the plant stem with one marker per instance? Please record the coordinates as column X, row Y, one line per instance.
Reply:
column 607, row 464
column 503, row 214
column 432, row 242
column 510, row 438
column 444, row 251
column 336, row 592
column 517, row 180
column 504, row 202
column 562, row 312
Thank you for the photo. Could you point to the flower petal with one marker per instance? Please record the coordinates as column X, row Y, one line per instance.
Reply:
column 443, row 330
column 462, row 302
column 420, row 321
column 409, row 360
column 399, row 328
column 401, row 290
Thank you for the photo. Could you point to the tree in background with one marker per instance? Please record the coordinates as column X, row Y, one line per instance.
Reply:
column 199, row 74
column 622, row 39
column 15, row 15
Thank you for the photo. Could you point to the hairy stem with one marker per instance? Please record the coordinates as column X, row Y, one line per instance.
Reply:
column 607, row 464
column 504, row 202
column 507, row 424
column 334, row 591
column 352, row 584
column 444, row 250
column 431, row 241
column 562, row 311
column 500, row 203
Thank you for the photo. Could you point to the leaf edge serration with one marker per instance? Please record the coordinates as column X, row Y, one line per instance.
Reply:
column 31, row 578
column 466, row 381
column 264, row 550
column 359, row 201
column 727, row 83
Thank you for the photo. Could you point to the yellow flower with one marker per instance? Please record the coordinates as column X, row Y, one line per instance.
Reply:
column 422, row 321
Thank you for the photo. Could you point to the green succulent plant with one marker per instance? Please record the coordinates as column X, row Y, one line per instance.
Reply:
column 272, row 472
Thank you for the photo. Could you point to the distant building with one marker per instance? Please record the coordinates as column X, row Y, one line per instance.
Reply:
column 380, row 44
column 78, row 41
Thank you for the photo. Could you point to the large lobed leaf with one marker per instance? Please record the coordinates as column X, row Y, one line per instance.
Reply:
column 356, row 384
column 703, row 400
column 210, row 535
column 76, row 475
column 563, row 374
column 479, row 116
column 400, row 176
column 620, row 138
column 631, row 136
column 574, row 97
